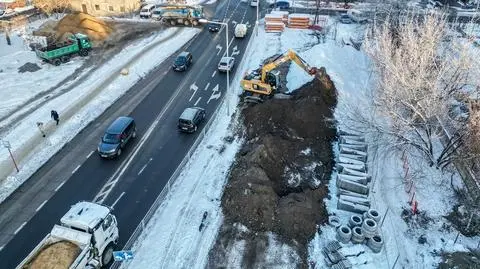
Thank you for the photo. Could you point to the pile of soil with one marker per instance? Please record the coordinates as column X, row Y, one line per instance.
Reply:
column 58, row 255
column 278, row 181
column 460, row 260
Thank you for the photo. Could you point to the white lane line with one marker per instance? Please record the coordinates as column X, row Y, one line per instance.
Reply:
column 2, row 247
column 143, row 168
column 126, row 163
column 110, row 183
column 194, row 88
column 59, row 186
column 118, row 199
column 208, row 85
column 198, row 100
column 19, row 228
column 90, row 154
column 76, row 168
column 40, row 206
column 214, row 72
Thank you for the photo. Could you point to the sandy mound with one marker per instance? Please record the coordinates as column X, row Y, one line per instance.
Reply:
column 95, row 28
column 59, row 255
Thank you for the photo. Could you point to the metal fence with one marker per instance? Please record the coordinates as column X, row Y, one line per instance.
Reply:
column 136, row 235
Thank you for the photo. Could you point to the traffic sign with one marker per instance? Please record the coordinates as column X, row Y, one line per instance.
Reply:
column 123, row 255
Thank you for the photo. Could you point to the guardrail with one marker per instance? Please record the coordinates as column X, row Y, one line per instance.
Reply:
column 160, row 198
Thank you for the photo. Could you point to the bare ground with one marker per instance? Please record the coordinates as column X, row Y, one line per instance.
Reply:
column 278, row 181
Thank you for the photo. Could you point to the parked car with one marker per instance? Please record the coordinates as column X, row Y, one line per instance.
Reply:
column 214, row 27
column 357, row 16
column 191, row 119
column 344, row 18
column 282, row 5
column 226, row 64
column 146, row 11
column 116, row 137
column 183, row 61
column 2, row 12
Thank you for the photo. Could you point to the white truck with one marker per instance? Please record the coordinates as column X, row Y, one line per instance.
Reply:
column 84, row 239
column 240, row 30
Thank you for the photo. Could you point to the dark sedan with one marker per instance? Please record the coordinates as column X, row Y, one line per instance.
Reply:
column 213, row 26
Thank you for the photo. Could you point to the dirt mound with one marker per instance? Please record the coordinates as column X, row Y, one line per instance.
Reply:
column 95, row 28
column 59, row 255
column 275, row 184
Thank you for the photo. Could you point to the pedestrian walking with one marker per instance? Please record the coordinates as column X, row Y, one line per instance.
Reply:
column 54, row 115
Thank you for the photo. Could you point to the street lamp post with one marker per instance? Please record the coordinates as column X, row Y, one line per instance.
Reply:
column 226, row 43
column 256, row 22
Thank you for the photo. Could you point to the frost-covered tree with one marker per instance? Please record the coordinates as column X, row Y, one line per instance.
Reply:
column 419, row 75
column 51, row 6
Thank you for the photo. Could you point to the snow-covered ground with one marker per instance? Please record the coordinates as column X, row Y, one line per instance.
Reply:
column 174, row 233
column 77, row 107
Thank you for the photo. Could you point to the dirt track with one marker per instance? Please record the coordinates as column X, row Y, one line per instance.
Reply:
column 278, row 181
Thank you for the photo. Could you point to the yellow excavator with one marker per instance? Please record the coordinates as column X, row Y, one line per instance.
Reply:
column 265, row 80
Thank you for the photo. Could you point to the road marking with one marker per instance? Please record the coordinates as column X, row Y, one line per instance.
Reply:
column 59, row 186
column 2, row 247
column 90, row 154
column 215, row 95
column 118, row 199
column 219, row 48
column 19, row 228
column 214, row 72
column 198, row 100
column 235, row 51
column 206, row 87
column 194, row 88
column 110, row 183
column 126, row 163
column 76, row 168
column 145, row 166
column 40, row 206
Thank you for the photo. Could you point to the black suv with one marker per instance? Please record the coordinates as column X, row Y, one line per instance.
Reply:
column 190, row 119
column 183, row 61
column 214, row 27
column 116, row 137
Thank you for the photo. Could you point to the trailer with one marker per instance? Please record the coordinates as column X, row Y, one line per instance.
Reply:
column 62, row 52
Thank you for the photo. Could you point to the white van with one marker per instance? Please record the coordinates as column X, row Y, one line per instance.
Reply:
column 146, row 11
column 254, row 3
column 357, row 16
column 240, row 30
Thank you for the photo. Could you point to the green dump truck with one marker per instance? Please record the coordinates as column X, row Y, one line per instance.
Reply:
column 62, row 52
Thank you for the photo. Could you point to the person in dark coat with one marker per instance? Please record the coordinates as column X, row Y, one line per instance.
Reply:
column 55, row 116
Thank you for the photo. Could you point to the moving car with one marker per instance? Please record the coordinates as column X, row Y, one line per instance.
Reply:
column 146, row 11
column 118, row 134
column 190, row 119
column 240, row 30
column 344, row 18
column 183, row 61
column 226, row 64
column 214, row 27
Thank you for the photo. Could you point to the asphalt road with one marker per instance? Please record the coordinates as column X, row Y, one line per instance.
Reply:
column 139, row 175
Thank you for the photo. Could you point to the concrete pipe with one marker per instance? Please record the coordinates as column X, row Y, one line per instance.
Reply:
column 334, row 221
column 372, row 214
column 344, row 234
column 375, row 243
column 357, row 235
column 369, row 228
column 355, row 221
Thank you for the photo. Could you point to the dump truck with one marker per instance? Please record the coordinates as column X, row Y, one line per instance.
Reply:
column 178, row 14
column 265, row 81
column 85, row 238
column 57, row 53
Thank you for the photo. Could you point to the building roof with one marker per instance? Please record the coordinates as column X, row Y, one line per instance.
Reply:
column 85, row 215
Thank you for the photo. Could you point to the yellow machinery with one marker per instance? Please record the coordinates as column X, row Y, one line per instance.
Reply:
column 267, row 81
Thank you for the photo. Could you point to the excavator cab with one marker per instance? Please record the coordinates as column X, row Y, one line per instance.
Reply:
column 273, row 79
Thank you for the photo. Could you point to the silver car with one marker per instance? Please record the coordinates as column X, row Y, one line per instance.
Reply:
column 226, row 64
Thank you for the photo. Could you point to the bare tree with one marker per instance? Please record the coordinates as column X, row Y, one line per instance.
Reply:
column 51, row 6
column 419, row 75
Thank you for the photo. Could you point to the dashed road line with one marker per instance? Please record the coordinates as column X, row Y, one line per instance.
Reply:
column 59, row 186
column 141, row 170
column 76, row 168
column 206, row 87
column 19, row 228
column 2, row 247
column 214, row 72
column 40, row 206
column 90, row 154
column 198, row 100
column 118, row 199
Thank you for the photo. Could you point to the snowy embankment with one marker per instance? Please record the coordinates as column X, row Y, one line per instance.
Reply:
column 82, row 105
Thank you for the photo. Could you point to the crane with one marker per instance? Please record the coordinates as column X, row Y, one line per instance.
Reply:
column 265, row 80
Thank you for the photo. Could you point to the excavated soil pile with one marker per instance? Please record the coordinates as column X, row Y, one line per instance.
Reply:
column 276, row 182
column 95, row 28
column 59, row 255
